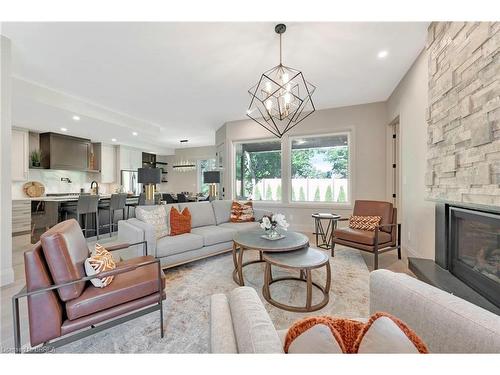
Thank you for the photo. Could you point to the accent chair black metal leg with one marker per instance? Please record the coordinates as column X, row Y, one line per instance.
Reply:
column 375, row 251
column 162, row 332
column 17, row 327
column 160, row 291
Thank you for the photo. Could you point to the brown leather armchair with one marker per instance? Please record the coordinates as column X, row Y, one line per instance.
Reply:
column 386, row 237
column 61, row 299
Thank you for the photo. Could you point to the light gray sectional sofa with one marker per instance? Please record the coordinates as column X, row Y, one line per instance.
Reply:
column 239, row 322
column 212, row 233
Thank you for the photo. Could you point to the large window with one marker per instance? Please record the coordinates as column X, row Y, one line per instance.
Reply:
column 258, row 170
column 204, row 166
column 320, row 169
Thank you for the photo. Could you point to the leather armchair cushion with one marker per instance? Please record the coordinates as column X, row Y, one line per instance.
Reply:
column 65, row 250
column 126, row 287
column 44, row 309
column 375, row 208
column 365, row 237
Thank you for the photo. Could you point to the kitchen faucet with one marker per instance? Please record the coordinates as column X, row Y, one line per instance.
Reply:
column 96, row 189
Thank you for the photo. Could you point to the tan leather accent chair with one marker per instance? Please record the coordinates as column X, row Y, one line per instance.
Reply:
column 62, row 300
column 386, row 237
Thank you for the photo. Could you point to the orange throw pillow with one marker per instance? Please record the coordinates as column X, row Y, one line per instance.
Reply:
column 180, row 223
column 242, row 212
column 383, row 333
column 364, row 222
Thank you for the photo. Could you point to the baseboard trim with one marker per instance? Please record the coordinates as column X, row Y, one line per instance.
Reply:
column 411, row 253
column 6, row 276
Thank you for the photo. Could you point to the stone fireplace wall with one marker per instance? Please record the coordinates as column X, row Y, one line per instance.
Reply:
column 463, row 114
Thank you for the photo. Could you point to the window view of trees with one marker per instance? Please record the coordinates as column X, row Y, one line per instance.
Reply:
column 320, row 168
column 258, row 165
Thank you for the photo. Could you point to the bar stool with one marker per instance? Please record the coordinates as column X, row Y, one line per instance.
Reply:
column 88, row 204
column 168, row 198
column 117, row 202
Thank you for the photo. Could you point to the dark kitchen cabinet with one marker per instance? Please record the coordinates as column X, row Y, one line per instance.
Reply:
column 65, row 152
column 148, row 160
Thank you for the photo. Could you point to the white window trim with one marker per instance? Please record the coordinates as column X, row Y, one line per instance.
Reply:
column 286, row 171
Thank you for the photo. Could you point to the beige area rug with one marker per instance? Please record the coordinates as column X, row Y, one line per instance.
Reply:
column 186, row 310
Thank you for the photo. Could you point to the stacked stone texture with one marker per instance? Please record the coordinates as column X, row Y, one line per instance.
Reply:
column 463, row 115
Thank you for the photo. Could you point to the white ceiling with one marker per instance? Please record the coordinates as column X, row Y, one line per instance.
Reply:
column 171, row 81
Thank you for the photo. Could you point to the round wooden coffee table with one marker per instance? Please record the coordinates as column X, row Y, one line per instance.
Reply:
column 304, row 261
column 252, row 240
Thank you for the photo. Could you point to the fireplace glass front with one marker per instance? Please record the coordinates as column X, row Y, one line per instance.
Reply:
column 475, row 250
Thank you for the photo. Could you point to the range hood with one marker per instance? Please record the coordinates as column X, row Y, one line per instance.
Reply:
column 65, row 152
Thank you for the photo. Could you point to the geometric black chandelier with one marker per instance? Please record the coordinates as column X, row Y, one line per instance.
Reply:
column 282, row 97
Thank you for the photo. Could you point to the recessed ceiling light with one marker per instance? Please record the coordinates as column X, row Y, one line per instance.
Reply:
column 113, row 139
column 76, row 118
column 64, row 129
column 135, row 133
column 382, row 54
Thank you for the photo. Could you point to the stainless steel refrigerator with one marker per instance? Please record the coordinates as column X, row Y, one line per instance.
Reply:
column 130, row 182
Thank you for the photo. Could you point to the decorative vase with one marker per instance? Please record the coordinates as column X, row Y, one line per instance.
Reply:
column 273, row 232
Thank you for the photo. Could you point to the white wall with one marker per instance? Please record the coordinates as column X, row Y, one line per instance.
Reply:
column 367, row 124
column 409, row 102
column 6, row 271
column 185, row 181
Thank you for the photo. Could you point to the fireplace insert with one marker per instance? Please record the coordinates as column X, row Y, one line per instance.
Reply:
column 474, row 250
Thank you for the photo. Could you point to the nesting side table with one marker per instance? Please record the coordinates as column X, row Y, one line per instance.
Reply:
column 303, row 261
column 322, row 233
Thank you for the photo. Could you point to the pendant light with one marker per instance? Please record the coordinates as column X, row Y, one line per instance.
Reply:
column 281, row 99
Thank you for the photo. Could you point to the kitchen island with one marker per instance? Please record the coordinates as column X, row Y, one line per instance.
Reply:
column 49, row 210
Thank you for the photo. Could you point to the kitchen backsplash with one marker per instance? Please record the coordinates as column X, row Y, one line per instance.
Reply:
column 51, row 179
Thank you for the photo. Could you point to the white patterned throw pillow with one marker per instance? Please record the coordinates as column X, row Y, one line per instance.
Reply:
column 157, row 217
column 101, row 260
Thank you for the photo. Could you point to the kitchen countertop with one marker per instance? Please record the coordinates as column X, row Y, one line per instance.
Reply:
column 66, row 198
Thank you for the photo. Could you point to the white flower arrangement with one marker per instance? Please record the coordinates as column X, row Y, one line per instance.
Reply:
column 276, row 220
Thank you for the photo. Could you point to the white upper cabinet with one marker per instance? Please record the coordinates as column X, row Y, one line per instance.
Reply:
column 20, row 155
column 108, row 164
column 136, row 159
column 129, row 158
